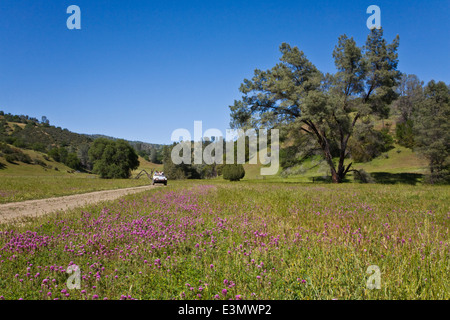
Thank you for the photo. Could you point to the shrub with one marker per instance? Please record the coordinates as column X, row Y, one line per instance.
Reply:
column 362, row 176
column 233, row 172
column 10, row 158
column 37, row 146
column 22, row 157
column 12, row 154
column 39, row 162
column 73, row 162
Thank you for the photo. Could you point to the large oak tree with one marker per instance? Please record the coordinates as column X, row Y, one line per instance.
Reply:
column 325, row 106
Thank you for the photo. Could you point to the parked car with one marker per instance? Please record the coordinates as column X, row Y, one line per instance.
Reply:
column 159, row 177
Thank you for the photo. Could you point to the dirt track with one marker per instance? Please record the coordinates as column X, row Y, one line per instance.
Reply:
column 14, row 211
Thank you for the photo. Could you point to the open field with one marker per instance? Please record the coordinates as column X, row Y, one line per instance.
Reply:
column 14, row 189
column 15, row 212
column 211, row 240
column 20, row 182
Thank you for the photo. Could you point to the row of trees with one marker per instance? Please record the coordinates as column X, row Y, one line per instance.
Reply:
column 204, row 171
column 334, row 113
column 69, row 159
column 188, row 171
column 425, row 127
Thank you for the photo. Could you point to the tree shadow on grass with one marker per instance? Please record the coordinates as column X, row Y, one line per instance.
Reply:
column 394, row 178
column 379, row 177
column 2, row 166
column 325, row 179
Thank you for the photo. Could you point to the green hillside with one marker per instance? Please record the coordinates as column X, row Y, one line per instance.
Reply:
column 399, row 165
column 26, row 132
column 25, row 181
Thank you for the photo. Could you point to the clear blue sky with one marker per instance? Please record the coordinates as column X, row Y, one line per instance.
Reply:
column 140, row 69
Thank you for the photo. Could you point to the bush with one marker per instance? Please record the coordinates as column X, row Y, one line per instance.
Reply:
column 233, row 172
column 12, row 155
column 22, row 157
column 5, row 149
column 10, row 158
column 73, row 162
column 37, row 146
column 19, row 143
column 39, row 162
column 362, row 176
column 59, row 154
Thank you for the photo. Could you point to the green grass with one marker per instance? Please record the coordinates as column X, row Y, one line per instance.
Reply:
column 399, row 165
column 303, row 241
column 397, row 160
column 20, row 182
column 21, row 188
column 147, row 166
column 52, row 168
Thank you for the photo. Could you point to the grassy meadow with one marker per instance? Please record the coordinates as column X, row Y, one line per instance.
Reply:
column 20, row 182
column 14, row 189
column 244, row 240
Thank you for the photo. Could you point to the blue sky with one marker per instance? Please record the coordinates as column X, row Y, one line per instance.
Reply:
column 140, row 69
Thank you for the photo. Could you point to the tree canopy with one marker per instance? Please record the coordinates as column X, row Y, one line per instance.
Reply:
column 326, row 107
column 432, row 130
column 113, row 159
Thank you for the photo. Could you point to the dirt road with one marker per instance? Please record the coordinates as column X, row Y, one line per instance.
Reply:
column 11, row 212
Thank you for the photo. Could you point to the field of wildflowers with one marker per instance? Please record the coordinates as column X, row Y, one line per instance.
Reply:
column 237, row 241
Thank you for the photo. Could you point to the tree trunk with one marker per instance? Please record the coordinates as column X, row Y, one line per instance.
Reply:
column 335, row 176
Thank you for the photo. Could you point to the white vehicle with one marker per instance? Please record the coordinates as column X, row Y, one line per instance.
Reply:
column 159, row 177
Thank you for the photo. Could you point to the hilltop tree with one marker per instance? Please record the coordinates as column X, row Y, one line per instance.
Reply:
column 432, row 130
column 113, row 159
column 45, row 121
column 325, row 107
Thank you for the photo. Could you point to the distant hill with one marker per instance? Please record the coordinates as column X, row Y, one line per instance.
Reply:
column 137, row 145
column 21, row 133
column 27, row 132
